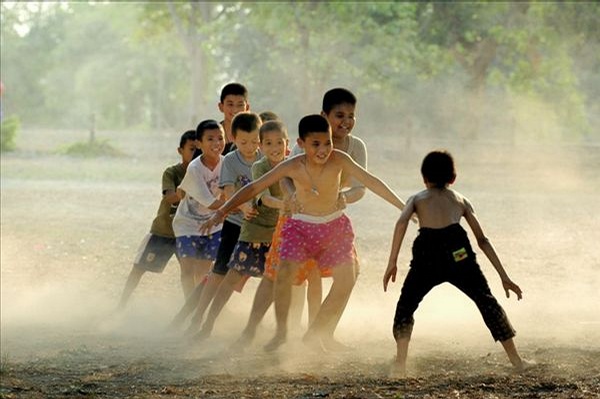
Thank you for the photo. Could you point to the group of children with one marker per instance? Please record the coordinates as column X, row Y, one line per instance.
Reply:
column 248, row 207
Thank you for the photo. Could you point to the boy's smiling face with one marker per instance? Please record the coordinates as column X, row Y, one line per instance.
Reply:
column 232, row 105
column 212, row 143
column 247, row 143
column 317, row 146
column 274, row 146
column 342, row 119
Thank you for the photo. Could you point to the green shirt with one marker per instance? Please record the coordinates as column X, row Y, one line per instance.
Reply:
column 162, row 225
column 261, row 228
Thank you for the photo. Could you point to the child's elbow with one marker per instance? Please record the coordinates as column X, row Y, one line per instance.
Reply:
column 483, row 242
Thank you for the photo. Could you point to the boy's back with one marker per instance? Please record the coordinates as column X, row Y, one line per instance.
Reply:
column 439, row 207
column 162, row 223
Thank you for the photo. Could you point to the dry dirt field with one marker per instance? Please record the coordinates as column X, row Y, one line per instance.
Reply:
column 70, row 228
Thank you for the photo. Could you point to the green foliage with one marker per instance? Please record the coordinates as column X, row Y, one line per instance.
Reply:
column 8, row 133
column 92, row 149
column 162, row 64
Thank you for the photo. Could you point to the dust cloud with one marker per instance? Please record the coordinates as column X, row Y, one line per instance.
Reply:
column 68, row 242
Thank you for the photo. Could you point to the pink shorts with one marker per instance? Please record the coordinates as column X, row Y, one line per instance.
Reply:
column 328, row 240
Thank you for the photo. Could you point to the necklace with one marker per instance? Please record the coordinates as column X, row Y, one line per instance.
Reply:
column 312, row 183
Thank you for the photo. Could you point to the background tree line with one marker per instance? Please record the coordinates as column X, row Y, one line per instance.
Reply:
column 472, row 69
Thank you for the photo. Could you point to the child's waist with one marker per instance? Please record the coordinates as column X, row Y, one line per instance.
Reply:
column 318, row 219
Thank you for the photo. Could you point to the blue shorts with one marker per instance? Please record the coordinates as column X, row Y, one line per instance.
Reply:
column 154, row 253
column 249, row 258
column 199, row 247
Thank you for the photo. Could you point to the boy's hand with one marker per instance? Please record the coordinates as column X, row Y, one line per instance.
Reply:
column 215, row 219
column 248, row 210
column 289, row 204
column 341, row 201
column 390, row 272
column 508, row 286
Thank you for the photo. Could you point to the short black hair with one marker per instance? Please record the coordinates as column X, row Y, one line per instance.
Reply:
column 236, row 89
column 312, row 124
column 266, row 116
column 273, row 126
column 189, row 135
column 438, row 168
column 208, row 124
column 337, row 96
column 246, row 121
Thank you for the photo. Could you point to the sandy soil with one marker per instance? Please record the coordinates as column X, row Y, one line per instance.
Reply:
column 70, row 228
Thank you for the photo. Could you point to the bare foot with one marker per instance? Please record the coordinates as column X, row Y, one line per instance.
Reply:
column 332, row 345
column 275, row 342
column 525, row 365
column 242, row 342
column 201, row 335
column 397, row 370
column 313, row 341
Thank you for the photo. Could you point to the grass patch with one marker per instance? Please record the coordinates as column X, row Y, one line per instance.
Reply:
column 8, row 133
column 91, row 149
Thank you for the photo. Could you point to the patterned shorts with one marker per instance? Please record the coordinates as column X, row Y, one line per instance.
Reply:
column 248, row 258
column 328, row 240
column 199, row 247
column 273, row 259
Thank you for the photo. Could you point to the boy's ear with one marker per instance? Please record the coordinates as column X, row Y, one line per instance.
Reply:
column 247, row 107
column 179, row 150
column 323, row 114
column 300, row 142
column 453, row 179
column 220, row 106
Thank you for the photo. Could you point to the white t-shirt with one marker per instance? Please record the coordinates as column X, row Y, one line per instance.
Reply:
column 201, row 186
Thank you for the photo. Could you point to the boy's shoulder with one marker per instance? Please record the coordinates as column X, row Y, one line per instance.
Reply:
column 174, row 169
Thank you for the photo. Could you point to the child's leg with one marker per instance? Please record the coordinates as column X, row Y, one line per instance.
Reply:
column 188, row 270
column 262, row 300
column 191, row 302
column 208, row 293
column 399, row 366
column 232, row 278
column 331, row 310
column 473, row 283
column 202, row 268
column 314, row 294
column 282, row 296
column 297, row 306
column 135, row 275
column 511, row 351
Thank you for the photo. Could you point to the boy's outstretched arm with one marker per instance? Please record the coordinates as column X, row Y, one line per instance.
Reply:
column 399, row 232
column 370, row 181
column 488, row 249
column 245, row 194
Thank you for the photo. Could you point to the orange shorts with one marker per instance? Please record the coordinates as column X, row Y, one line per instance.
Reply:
column 272, row 260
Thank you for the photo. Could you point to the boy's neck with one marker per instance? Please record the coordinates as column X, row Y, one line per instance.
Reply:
column 209, row 162
column 248, row 159
column 227, row 128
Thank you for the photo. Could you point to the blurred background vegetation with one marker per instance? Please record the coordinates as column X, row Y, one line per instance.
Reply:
column 498, row 70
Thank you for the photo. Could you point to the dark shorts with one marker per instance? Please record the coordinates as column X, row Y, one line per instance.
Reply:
column 154, row 253
column 199, row 247
column 445, row 255
column 249, row 258
column 229, row 237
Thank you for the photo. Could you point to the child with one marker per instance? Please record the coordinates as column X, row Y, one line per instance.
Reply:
column 318, row 229
column 235, row 173
column 442, row 253
column 200, row 195
column 159, row 245
column 255, row 237
column 339, row 107
column 233, row 100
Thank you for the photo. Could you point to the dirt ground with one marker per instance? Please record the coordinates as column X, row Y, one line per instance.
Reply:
column 70, row 228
